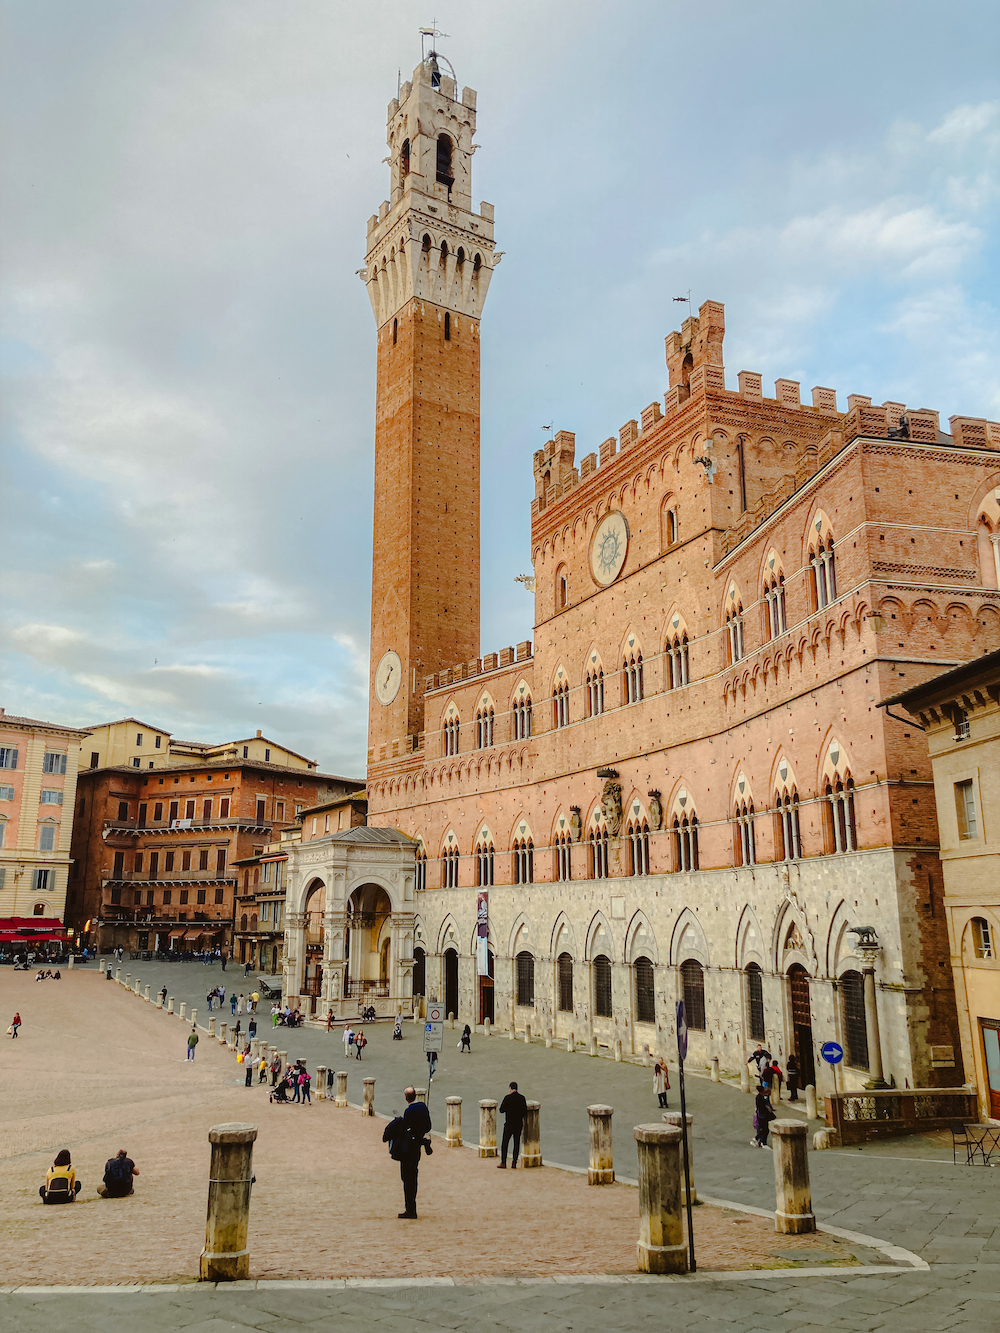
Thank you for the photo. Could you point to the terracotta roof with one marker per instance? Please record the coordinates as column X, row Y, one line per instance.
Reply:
column 138, row 722
column 11, row 719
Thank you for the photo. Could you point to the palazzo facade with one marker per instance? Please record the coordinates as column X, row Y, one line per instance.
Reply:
column 682, row 785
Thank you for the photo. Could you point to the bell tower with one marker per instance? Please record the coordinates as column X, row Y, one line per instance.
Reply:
column 427, row 269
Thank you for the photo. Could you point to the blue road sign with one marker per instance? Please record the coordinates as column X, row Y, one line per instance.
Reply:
column 832, row 1052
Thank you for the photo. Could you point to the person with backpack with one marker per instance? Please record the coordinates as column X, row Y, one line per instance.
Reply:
column 406, row 1135
column 61, row 1184
column 304, row 1080
column 118, row 1173
column 192, row 1042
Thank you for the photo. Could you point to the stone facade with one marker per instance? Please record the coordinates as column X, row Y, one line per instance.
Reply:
column 683, row 783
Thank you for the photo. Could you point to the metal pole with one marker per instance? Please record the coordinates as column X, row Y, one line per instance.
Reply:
column 681, row 1052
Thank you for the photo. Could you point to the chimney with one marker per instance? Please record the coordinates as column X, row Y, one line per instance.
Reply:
column 258, row 733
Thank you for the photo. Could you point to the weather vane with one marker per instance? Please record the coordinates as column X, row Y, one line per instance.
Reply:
column 432, row 32
column 686, row 298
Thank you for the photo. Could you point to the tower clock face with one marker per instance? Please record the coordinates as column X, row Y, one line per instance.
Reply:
column 609, row 548
column 388, row 677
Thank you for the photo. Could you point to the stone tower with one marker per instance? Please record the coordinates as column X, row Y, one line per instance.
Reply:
column 427, row 270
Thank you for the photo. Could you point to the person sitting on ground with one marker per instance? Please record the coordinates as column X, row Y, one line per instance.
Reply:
column 40, row 976
column 57, row 975
column 118, row 1173
column 61, row 1184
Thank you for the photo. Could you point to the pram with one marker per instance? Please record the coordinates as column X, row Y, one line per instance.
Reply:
column 279, row 1094
column 397, row 1033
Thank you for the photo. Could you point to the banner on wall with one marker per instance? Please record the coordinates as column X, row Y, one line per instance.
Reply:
column 482, row 932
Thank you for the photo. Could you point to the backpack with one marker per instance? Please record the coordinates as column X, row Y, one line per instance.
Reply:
column 398, row 1137
column 117, row 1172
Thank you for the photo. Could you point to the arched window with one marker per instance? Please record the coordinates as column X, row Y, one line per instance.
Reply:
column 460, row 256
column 484, row 728
column 686, row 842
column 404, row 160
column 563, row 861
column 841, row 824
column 522, row 718
column 824, row 573
column 38, row 909
column 420, row 869
column 788, row 834
column 484, row 862
column 451, row 735
column 565, row 966
column 525, row 963
column 670, row 526
column 445, row 174
column 645, row 995
column 735, row 640
column 395, row 331
column 243, row 923
column 447, row 326
column 524, row 861
column 982, row 938
column 477, row 264
column 419, row 971
column 852, row 1002
column 425, row 244
column 775, row 617
column 602, row 986
column 594, row 695
column 449, row 862
column 599, row 859
column 755, row 1001
column 677, row 661
column 560, row 705
column 693, row 985
column 632, row 683
column 638, row 845
column 745, row 841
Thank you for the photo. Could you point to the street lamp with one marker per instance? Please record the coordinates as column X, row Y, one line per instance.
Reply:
column 868, row 946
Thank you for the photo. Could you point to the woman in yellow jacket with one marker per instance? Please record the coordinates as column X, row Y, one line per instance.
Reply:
column 61, row 1184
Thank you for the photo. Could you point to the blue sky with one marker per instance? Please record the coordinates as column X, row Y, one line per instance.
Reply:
column 188, row 354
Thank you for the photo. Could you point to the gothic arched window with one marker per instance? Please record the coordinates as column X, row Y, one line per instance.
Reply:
column 693, row 984
column 632, row 683
column 775, row 618
column 560, row 705
column 594, row 694
column 645, row 993
column 524, row 861
column 563, row 857
column 686, row 843
column 602, row 986
column 404, row 160
column 841, row 822
column 484, row 863
column 746, row 841
column 484, row 728
column 599, row 858
column 852, row 1008
column 522, row 718
column 445, row 172
column 677, row 661
column 824, row 573
column 638, row 841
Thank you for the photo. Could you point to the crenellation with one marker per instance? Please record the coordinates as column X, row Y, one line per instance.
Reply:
column 524, row 650
column 650, row 416
column 628, row 434
column 751, row 385
column 787, row 393
column 863, row 418
column 824, row 400
column 588, row 464
column 490, row 662
column 469, row 98
column 857, row 400
column 973, row 432
column 894, row 413
column 672, row 400
column 506, row 656
column 924, row 425
column 608, row 449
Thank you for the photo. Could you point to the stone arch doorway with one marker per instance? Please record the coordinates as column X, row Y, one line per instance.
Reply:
column 451, row 981
column 487, row 1005
column 312, row 980
column 802, row 1036
column 367, row 943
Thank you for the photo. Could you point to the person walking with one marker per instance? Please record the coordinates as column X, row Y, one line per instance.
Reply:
column 192, row 1042
column 763, row 1115
column 293, row 1078
column 513, row 1108
column 304, row 1082
column 239, row 1004
column 406, row 1136
column 792, row 1070
column 208, row 1000
column 758, row 1058
column 348, row 1040
column 15, row 1024
column 360, row 1042
column 661, row 1082
column 163, row 995
column 232, row 1004
column 262, row 1070
column 329, row 1021
column 252, row 1027
column 466, row 1043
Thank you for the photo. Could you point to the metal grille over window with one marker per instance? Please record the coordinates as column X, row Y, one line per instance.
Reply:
column 525, row 963
column 602, row 986
column 645, row 996
column 852, row 996
column 755, row 1001
column 565, row 983
column 693, row 984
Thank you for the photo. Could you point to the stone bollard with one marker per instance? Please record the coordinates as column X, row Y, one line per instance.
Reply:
column 661, row 1247
column 211, row 1027
column 128, row 980
column 715, row 1068
column 368, row 1101
column 592, row 1045
column 451, row 1022
column 645, row 1054
column 453, row 1137
column 118, row 974
column 321, row 1083
column 223, row 1032
column 618, row 1049
column 744, row 1078
column 70, row 961
column 159, row 999
column 674, row 1118
column 193, row 1019
column 487, row 1129
column 527, row 1034
column 170, row 1005
column 145, row 994
column 486, row 1027
column 793, row 1197
column 810, row 1093
column 548, row 1039
column 531, row 1149
column 135, row 986
column 421, row 1094
column 570, row 1044
column 100, row 967
column 601, row 1169
column 283, row 1057
column 341, row 1097
column 183, row 1010
column 225, row 1257
column 512, row 1034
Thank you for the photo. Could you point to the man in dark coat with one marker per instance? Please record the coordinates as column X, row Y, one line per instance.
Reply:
column 514, row 1109
column 406, row 1135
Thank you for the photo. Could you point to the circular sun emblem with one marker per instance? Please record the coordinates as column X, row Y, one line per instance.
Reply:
column 609, row 549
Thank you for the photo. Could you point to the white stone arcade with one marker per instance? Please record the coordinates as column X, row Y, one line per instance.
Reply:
column 349, row 923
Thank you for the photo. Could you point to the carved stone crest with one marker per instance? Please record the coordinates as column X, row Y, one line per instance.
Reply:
column 575, row 823
column 611, row 804
column 655, row 811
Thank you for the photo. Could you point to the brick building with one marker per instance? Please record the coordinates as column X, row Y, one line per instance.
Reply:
column 154, row 849
column 38, row 773
column 682, row 785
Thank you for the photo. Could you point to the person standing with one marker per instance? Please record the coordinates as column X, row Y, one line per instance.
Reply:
column 262, row 1070
column 776, row 1080
column 513, row 1108
column 329, row 1021
column 15, row 1023
column 192, row 1042
column 239, row 1004
column 466, row 1043
column 348, row 1040
column 232, row 1004
column 360, row 1042
column 792, row 1070
column 406, row 1136
column 763, row 1115
column 163, row 994
column 661, row 1082
column 275, row 1069
column 208, row 999
column 248, row 1064
column 252, row 1027
column 304, row 1081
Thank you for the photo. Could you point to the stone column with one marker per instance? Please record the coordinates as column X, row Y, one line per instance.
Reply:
column 715, row 1068
column 744, row 1076
column 368, row 1105
column 225, row 1257
column 159, row 999
column 601, row 1170
column 674, row 1118
column 592, row 1045
column 548, row 1039
column 454, row 1135
column 661, row 1247
column 135, row 985
column 170, row 1005
column 512, row 1034
column 341, row 1097
column 223, row 1033
column 451, row 1022
column 617, row 1049
column 810, row 1095
column 876, row 1079
column 793, row 1197
column 283, row 1057
column 321, row 1083
column 183, row 1010
column 487, row 1129
column 211, row 1027
column 531, row 1144
column 118, row 974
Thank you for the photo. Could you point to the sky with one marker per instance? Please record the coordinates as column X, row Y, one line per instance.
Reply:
column 188, row 355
